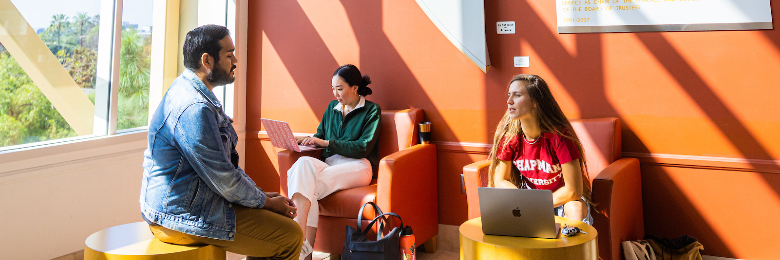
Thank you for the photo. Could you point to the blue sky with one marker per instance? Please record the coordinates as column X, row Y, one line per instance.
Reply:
column 38, row 12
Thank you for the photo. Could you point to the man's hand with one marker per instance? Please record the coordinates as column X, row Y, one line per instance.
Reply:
column 281, row 205
column 271, row 194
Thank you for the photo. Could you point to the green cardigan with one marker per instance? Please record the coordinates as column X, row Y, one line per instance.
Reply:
column 355, row 135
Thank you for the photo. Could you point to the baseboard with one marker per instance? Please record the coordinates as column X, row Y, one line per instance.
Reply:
column 78, row 255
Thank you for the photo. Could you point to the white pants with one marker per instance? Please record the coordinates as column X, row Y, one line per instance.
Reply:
column 315, row 179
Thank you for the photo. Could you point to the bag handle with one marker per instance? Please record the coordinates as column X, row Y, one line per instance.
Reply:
column 639, row 250
column 381, row 219
column 377, row 211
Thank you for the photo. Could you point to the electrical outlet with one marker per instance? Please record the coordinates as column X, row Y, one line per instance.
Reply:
column 506, row 27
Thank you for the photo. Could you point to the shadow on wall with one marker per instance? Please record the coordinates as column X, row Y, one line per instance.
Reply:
column 311, row 65
column 306, row 57
column 592, row 101
column 685, row 217
column 298, row 50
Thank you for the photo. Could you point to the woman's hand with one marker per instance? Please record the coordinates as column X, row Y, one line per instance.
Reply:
column 311, row 140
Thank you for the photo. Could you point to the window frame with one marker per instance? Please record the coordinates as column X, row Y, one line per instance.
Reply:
column 166, row 56
column 107, row 76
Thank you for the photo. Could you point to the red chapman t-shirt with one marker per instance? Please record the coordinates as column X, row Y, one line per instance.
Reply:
column 541, row 161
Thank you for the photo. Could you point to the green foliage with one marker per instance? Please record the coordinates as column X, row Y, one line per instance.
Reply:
column 81, row 66
column 28, row 116
column 134, row 66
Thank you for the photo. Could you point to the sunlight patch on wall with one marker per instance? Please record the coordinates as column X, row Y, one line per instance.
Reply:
column 562, row 96
column 669, row 116
column 426, row 54
column 330, row 20
column 280, row 101
column 746, row 70
column 463, row 22
column 545, row 9
column 724, row 212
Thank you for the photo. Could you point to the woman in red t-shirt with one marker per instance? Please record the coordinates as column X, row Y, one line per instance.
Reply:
column 535, row 147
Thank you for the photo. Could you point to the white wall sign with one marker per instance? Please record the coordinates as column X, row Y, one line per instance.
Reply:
column 591, row 16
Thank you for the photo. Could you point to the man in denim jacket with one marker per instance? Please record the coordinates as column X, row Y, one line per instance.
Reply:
column 193, row 191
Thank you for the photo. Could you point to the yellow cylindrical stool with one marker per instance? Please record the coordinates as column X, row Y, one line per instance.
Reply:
column 476, row 245
column 134, row 241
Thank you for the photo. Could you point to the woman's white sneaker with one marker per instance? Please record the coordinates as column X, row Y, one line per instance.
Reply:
column 306, row 250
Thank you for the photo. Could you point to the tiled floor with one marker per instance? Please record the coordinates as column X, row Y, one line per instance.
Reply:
column 439, row 255
column 447, row 245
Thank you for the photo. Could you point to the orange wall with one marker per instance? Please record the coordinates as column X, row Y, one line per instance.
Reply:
column 698, row 108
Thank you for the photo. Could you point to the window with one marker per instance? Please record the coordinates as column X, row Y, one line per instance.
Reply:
column 48, row 97
column 135, row 64
column 58, row 66
column 228, row 19
column 85, row 68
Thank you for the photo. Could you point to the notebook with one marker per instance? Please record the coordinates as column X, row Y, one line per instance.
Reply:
column 517, row 212
column 282, row 137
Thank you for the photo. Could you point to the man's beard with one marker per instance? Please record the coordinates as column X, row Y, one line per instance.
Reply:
column 219, row 76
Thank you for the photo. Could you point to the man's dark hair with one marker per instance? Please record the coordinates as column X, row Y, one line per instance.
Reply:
column 204, row 39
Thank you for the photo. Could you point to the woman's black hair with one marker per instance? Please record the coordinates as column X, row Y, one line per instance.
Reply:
column 352, row 76
column 204, row 39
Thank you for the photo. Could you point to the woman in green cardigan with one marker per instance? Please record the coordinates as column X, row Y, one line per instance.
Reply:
column 348, row 131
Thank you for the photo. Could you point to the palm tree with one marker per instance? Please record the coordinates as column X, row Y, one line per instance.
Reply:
column 82, row 20
column 134, row 69
column 58, row 22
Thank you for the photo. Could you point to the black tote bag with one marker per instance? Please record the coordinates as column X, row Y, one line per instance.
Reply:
column 358, row 247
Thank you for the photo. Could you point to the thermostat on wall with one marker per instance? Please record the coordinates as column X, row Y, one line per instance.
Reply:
column 506, row 27
column 522, row 61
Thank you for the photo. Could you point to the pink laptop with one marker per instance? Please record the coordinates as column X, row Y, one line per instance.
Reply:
column 282, row 137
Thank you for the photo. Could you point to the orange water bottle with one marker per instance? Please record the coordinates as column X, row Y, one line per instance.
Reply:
column 407, row 244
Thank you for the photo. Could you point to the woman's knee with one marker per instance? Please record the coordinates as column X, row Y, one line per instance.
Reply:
column 299, row 196
column 304, row 165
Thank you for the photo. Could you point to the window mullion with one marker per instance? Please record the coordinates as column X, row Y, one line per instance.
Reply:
column 109, row 48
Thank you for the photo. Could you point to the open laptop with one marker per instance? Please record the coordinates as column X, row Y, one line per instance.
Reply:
column 282, row 137
column 517, row 212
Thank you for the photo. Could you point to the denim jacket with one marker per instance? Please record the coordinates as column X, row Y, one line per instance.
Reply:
column 190, row 182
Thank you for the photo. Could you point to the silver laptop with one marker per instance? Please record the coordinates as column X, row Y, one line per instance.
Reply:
column 517, row 212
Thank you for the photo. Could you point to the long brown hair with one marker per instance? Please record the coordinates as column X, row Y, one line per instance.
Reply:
column 551, row 120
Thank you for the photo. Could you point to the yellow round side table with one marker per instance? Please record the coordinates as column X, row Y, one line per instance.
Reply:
column 134, row 241
column 476, row 245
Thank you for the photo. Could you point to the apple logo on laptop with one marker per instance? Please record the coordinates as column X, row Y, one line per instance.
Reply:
column 516, row 212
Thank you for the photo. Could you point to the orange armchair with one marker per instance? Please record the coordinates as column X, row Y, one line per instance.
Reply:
column 616, row 182
column 404, row 183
